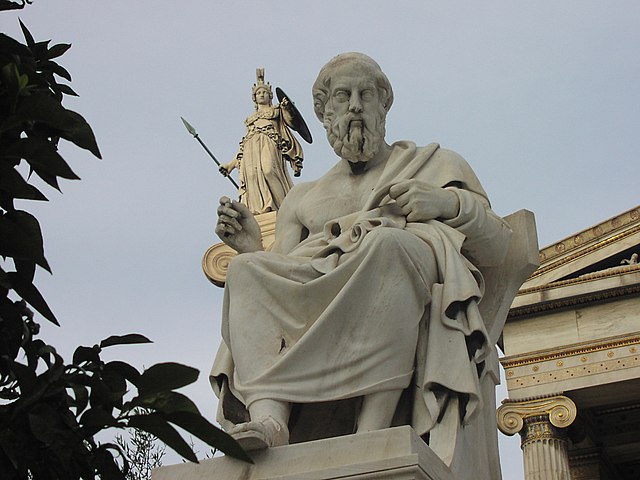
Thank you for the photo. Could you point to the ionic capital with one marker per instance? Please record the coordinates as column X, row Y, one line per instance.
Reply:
column 560, row 410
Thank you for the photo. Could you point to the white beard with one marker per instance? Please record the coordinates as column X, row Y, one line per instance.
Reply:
column 355, row 137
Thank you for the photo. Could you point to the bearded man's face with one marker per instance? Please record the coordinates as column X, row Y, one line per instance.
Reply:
column 354, row 117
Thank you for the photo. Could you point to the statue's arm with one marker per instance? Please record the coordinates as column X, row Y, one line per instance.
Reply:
column 487, row 234
column 227, row 168
column 286, row 114
column 458, row 204
column 289, row 229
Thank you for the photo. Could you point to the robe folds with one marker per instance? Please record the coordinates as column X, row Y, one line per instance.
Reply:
column 372, row 303
column 264, row 152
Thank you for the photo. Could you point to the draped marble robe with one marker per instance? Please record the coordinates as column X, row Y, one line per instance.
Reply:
column 264, row 152
column 371, row 303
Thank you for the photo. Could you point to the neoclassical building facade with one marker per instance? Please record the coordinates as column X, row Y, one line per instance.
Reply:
column 572, row 357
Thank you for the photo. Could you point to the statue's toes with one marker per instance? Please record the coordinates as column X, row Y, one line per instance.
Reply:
column 251, row 440
column 263, row 433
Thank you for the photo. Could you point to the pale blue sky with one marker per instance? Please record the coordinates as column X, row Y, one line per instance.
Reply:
column 540, row 97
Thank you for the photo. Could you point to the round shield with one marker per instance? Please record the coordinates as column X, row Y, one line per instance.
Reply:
column 299, row 124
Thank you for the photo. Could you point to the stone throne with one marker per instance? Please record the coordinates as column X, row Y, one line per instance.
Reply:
column 455, row 451
column 475, row 444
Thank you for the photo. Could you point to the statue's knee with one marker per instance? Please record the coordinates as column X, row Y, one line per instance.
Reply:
column 240, row 264
column 386, row 236
column 389, row 240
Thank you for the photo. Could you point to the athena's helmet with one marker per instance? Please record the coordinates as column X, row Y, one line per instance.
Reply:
column 260, row 85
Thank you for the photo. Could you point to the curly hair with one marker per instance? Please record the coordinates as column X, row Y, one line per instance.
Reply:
column 322, row 85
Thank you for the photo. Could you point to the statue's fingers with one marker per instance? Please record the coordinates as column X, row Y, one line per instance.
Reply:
column 412, row 217
column 221, row 230
column 226, row 230
column 229, row 221
column 399, row 188
column 403, row 200
column 241, row 208
column 228, row 210
column 233, row 223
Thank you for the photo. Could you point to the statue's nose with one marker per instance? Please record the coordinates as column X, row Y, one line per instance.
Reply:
column 355, row 105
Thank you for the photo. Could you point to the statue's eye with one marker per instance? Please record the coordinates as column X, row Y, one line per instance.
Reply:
column 367, row 95
column 341, row 96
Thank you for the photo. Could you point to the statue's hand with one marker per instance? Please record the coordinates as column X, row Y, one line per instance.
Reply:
column 297, row 167
column 227, row 168
column 420, row 201
column 237, row 226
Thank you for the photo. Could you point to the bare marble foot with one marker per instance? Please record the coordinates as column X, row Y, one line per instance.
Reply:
column 263, row 433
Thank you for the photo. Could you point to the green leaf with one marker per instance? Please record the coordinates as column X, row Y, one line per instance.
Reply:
column 43, row 156
column 81, row 398
column 43, row 108
column 124, row 369
column 98, row 417
column 12, row 332
column 199, row 426
column 25, row 376
column 66, row 89
column 26, row 268
column 27, row 34
column 5, row 282
column 51, row 66
column 11, row 81
column 15, row 186
column 85, row 354
column 156, row 425
column 116, row 383
column 12, row 46
column 101, row 394
column 47, row 353
column 47, row 425
column 21, row 237
column 31, row 295
column 131, row 338
column 166, row 376
column 40, row 49
column 164, row 402
column 81, row 134
column 58, row 50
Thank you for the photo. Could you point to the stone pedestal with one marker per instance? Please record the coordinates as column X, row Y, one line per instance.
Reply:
column 540, row 423
column 395, row 453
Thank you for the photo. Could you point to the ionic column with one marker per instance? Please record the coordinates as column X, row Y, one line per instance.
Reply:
column 541, row 423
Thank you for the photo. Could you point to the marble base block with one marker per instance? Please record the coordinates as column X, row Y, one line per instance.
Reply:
column 395, row 453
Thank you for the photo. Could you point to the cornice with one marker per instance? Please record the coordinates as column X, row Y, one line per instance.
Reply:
column 568, row 302
column 569, row 350
column 594, row 233
column 547, row 266
column 589, row 277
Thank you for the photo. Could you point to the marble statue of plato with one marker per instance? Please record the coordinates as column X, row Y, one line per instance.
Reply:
column 370, row 293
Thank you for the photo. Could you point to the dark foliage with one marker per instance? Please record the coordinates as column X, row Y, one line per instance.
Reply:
column 9, row 5
column 51, row 411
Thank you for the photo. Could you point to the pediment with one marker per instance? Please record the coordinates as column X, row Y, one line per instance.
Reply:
column 600, row 259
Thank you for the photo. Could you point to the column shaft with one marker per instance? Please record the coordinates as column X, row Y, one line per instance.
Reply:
column 544, row 449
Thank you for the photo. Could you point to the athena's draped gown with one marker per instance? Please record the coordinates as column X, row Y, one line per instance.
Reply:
column 264, row 151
